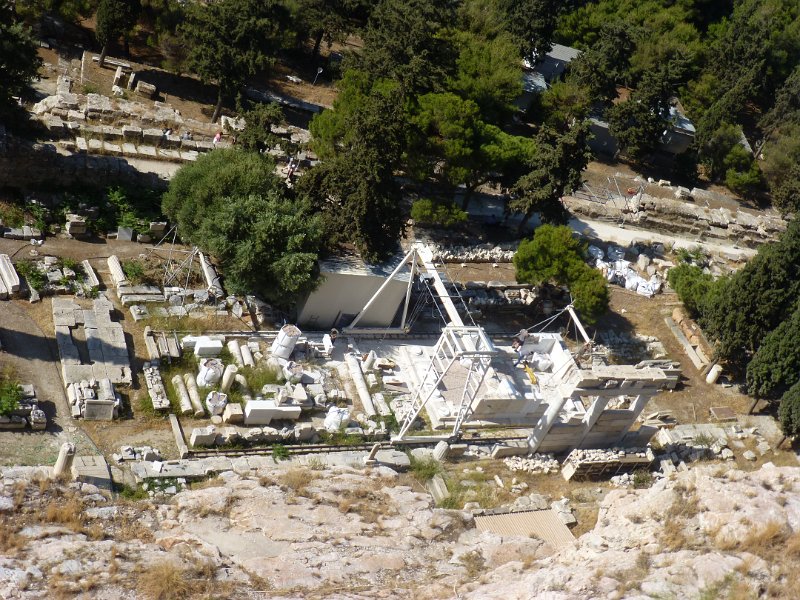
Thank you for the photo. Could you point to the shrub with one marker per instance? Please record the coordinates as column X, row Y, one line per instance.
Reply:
column 425, row 469
column 691, row 285
column 10, row 395
column 134, row 271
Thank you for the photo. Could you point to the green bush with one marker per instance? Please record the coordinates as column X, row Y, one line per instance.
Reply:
column 443, row 214
column 35, row 278
column 134, row 271
column 691, row 285
column 425, row 469
column 789, row 411
column 10, row 395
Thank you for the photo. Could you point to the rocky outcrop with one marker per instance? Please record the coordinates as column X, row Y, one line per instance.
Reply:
column 707, row 532
column 350, row 533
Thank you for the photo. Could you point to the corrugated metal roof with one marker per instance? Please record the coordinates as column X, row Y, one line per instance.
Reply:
column 542, row 524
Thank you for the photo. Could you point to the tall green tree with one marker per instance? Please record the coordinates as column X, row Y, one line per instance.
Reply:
column 555, row 169
column 488, row 72
column 361, row 142
column 259, row 121
column 231, row 204
column 789, row 412
column 357, row 193
column 231, row 40
column 404, row 41
column 19, row 62
column 115, row 18
column 532, row 23
column 330, row 20
column 555, row 256
column 457, row 148
column 740, row 311
column 776, row 365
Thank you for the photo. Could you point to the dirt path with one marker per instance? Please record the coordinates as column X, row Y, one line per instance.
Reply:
column 34, row 358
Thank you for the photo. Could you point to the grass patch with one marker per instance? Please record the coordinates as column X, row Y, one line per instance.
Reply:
column 425, row 469
column 35, row 278
column 258, row 377
column 131, row 493
column 279, row 452
column 297, row 480
column 165, row 580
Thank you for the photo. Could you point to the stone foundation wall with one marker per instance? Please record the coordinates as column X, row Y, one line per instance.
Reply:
column 25, row 164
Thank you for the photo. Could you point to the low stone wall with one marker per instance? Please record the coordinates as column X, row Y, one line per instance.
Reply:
column 26, row 164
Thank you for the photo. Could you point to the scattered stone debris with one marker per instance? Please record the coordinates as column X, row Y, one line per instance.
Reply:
column 534, row 464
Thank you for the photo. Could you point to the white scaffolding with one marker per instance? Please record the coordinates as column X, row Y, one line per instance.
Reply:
column 461, row 359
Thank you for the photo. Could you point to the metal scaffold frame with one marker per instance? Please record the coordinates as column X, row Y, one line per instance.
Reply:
column 468, row 346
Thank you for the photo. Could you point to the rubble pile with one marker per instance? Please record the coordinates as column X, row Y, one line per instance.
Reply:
column 138, row 453
column 155, row 387
column 94, row 400
column 535, row 463
column 583, row 456
column 500, row 253
column 480, row 294
column 628, row 348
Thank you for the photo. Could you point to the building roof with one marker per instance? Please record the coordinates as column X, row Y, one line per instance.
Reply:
column 563, row 53
column 533, row 81
column 542, row 524
column 353, row 264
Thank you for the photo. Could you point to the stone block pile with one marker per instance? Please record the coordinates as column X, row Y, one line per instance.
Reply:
column 745, row 227
column 61, row 279
column 147, row 453
column 594, row 464
column 94, row 400
column 213, row 435
column 534, row 464
column 497, row 294
column 26, row 232
column 27, row 413
column 155, row 387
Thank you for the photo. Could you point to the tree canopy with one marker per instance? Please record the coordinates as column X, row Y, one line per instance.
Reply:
column 789, row 412
column 231, row 40
column 232, row 205
column 555, row 256
column 19, row 62
column 115, row 18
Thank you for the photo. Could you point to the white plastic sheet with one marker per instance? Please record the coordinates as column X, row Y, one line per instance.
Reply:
column 336, row 419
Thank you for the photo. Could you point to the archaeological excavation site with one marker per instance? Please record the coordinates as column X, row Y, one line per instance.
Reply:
column 404, row 299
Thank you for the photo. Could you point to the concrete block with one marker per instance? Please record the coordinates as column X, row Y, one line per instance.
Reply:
column 304, row 432
column 98, row 410
column 438, row 489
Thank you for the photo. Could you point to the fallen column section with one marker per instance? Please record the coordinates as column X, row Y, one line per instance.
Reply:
column 194, row 395
column 183, row 395
column 361, row 385
column 117, row 274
